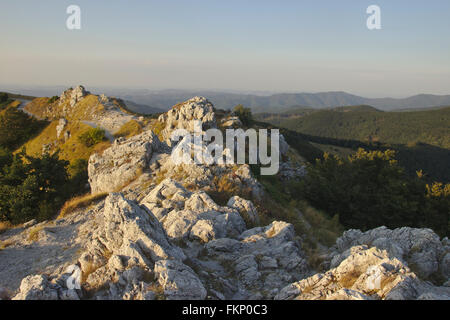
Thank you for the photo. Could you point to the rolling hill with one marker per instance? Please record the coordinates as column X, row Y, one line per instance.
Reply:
column 282, row 102
column 367, row 124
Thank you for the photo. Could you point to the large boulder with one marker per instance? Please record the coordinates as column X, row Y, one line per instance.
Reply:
column 122, row 162
column 184, row 115
column 179, row 281
column 36, row 288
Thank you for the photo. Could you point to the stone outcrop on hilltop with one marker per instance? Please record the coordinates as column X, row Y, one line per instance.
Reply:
column 183, row 115
column 73, row 95
column 78, row 104
column 160, row 235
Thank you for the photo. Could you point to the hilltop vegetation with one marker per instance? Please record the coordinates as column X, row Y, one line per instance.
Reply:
column 17, row 127
column 370, row 125
column 369, row 189
column 421, row 138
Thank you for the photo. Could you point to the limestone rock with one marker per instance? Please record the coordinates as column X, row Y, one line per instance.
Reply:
column 179, row 281
column 245, row 208
column 36, row 288
column 183, row 115
column 264, row 258
column 231, row 122
column 421, row 248
column 73, row 95
column 367, row 273
column 60, row 127
column 122, row 162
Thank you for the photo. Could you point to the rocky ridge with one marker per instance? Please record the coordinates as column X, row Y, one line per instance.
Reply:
column 158, row 234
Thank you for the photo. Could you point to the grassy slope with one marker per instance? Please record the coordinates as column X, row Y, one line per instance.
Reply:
column 71, row 149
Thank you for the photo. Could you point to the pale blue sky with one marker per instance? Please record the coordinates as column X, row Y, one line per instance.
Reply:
column 284, row 46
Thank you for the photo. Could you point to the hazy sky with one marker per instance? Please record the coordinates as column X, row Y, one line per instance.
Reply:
column 284, row 46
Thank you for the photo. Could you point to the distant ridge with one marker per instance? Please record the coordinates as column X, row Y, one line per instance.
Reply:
column 285, row 101
column 163, row 100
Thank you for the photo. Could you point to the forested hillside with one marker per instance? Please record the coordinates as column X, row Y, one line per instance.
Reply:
column 421, row 138
column 370, row 125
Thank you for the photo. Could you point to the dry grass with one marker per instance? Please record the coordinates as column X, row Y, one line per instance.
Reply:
column 129, row 129
column 157, row 127
column 5, row 244
column 161, row 176
column 71, row 149
column 222, row 189
column 324, row 229
column 4, row 226
column 38, row 107
column 157, row 289
column 33, row 234
column 80, row 202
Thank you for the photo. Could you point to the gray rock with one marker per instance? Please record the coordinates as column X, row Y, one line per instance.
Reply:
column 245, row 208
column 122, row 163
column 60, row 127
column 36, row 288
column 420, row 248
column 179, row 281
column 365, row 272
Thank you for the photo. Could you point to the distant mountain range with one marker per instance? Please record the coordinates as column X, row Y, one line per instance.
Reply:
column 286, row 101
column 150, row 101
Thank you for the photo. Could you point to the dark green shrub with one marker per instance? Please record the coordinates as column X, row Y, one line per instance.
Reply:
column 244, row 114
column 92, row 137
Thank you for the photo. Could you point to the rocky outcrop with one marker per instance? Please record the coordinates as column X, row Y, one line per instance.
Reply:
column 191, row 248
column 73, row 95
column 231, row 122
column 179, row 281
column 194, row 216
column 183, row 115
column 246, row 209
column 261, row 260
column 421, row 249
column 122, row 162
column 60, row 127
column 160, row 233
column 365, row 274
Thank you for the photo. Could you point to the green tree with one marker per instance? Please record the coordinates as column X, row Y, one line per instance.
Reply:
column 78, row 175
column 244, row 114
column 32, row 187
column 369, row 189
column 3, row 97
column 16, row 128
